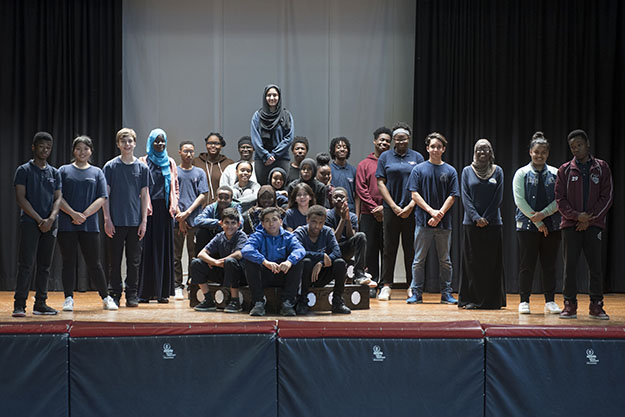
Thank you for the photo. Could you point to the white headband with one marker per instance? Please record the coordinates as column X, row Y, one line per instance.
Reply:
column 400, row 130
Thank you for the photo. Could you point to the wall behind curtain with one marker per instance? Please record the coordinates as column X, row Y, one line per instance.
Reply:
column 191, row 67
column 61, row 72
column 505, row 69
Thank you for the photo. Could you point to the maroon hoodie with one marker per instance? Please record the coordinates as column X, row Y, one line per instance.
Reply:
column 367, row 184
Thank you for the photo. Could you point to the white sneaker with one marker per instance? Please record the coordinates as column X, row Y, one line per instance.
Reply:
column 524, row 308
column 109, row 303
column 385, row 294
column 179, row 294
column 552, row 308
column 68, row 304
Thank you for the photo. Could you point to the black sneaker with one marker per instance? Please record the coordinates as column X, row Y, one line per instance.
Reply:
column 132, row 301
column 339, row 307
column 258, row 309
column 207, row 305
column 234, row 306
column 301, row 308
column 287, row 309
column 19, row 311
column 43, row 309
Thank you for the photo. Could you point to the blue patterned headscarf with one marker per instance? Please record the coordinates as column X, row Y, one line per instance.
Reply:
column 160, row 159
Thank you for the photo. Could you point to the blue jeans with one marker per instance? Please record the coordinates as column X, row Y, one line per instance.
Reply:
column 423, row 238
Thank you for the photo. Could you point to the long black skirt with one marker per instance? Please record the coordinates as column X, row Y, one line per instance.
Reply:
column 482, row 284
column 156, row 280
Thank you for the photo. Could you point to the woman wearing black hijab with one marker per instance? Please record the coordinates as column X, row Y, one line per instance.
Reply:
column 272, row 133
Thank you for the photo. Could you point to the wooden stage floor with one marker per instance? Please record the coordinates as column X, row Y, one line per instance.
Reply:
column 88, row 307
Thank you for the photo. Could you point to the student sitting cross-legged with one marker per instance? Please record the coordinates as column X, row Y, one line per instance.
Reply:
column 273, row 258
column 322, row 262
column 220, row 261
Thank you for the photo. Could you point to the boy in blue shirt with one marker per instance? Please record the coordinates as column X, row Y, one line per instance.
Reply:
column 434, row 187
column 38, row 193
column 322, row 262
column 343, row 174
column 221, row 261
column 125, row 215
column 193, row 192
column 273, row 258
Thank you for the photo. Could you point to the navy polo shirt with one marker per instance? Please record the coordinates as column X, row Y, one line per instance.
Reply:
column 40, row 185
column 434, row 183
column 81, row 187
column 345, row 177
column 220, row 247
column 126, row 182
column 325, row 244
column 192, row 182
column 396, row 170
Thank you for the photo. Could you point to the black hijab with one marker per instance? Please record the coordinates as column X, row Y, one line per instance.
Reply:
column 270, row 120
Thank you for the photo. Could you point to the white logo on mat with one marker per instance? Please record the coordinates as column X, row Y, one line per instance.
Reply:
column 592, row 358
column 168, row 352
column 378, row 355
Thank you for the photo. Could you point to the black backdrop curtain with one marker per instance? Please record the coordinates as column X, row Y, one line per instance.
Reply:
column 61, row 72
column 502, row 70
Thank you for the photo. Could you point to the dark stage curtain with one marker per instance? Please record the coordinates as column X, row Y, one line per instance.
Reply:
column 61, row 73
column 504, row 69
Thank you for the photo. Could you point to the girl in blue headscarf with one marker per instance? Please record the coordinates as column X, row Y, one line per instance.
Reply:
column 156, row 280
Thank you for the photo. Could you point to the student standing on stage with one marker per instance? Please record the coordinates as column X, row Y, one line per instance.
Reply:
column 482, row 284
column 271, row 130
column 371, row 208
column 434, row 187
column 537, row 224
column 343, row 174
column 300, row 200
column 213, row 163
column 322, row 262
column 221, row 261
column 157, row 264
column 84, row 192
column 299, row 148
column 38, row 193
column 207, row 222
column 193, row 192
column 584, row 193
column 125, row 215
column 394, row 168
column 273, row 258
column 246, row 153
column 245, row 190
column 353, row 243
column 307, row 173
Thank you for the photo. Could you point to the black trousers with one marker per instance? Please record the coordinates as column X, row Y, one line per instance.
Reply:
column 355, row 246
column 202, row 237
column 532, row 247
column 259, row 277
column 37, row 248
column 375, row 244
column 90, row 248
column 125, row 236
column 574, row 243
column 334, row 272
column 229, row 276
column 394, row 227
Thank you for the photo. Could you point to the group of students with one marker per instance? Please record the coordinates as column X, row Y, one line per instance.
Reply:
column 267, row 220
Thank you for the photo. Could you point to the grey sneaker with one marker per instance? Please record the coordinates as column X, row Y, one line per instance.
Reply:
column 258, row 309
column 287, row 309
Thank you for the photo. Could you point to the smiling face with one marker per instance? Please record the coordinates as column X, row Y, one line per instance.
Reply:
column 42, row 149
column 266, row 199
column 272, row 97
column 401, row 143
column 539, row 155
column 82, row 153
column 340, row 150
column 277, row 180
column 244, row 172
column 246, row 151
column 224, row 198
column 482, row 153
column 382, row 143
column 229, row 226
column 126, row 145
column 302, row 199
column 159, row 144
column 213, row 145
